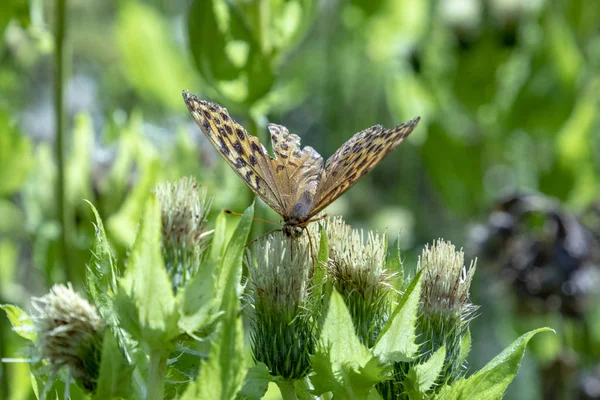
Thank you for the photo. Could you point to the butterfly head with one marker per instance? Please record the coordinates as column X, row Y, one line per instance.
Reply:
column 291, row 228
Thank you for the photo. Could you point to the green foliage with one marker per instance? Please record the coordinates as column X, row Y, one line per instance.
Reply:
column 15, row 153
column 145, row 302
column 222, row 375
column 17, row 9
column 237, row 46
column 152, row 62
column 421, row 377
column 397, row 341
column 492, row 380
column 342, row 364
column 508, row 96
column 21, row 322
column 116, row 374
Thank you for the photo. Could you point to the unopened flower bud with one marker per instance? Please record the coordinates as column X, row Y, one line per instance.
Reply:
column 283, row 334
column 70, row 334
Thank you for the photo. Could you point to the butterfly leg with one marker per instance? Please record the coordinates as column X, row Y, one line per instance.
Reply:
column 262, row 236
column 312, row 255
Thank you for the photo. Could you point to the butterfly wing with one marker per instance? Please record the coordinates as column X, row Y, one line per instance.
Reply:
column 356, row 158
column 297, row 171
column 242, row 151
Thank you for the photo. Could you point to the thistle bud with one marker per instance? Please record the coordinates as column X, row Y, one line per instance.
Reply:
column 184, row 235
column 445, row 310
column 70, row 334
column 283, row 334
column 357, row 268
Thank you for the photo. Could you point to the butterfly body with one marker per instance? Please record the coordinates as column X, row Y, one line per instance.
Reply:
column 296, row 183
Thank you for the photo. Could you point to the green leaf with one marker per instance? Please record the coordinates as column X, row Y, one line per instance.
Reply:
column 11, row 224
column 9, row 260
column 21, row 322
column 145, row 301
column 230, row 272
column 15, row 153
column 339, row 353
column 13, row 9
column 397, row 341
column 421, row 377
column 102, row 273
column 115, row 377
column 226, row 51
column 196, row 300
column 465, row 347
column 79, row 167
column 492, row 380
column 394, row 264
column 256, row 382
column 123, row 224
column 222, row 374
column 339, row 337
column 218, row 238
column 350, row 382
column 320, row 274
column 152, row 62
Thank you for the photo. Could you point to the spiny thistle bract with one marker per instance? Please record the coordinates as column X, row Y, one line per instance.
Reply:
column 70, row 334
column 445, row 309
column 183, row 212
column 356, row 267
column 283, row 332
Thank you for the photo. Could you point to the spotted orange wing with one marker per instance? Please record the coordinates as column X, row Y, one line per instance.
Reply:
column 281, row 181
column 242, row 151
column 355, row 159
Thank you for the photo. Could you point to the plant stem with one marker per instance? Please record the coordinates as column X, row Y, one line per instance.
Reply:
column 59, row 84
column 156, row 374
column 288, row 392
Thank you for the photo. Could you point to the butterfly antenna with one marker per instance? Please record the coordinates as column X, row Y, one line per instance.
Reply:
column 253, row 218
column 262, row 236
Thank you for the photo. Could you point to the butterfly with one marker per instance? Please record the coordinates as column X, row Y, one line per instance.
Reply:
column 297, row 183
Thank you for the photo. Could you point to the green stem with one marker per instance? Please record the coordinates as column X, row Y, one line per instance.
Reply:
column 288, row 392
column 156, row 375
column 60, row 80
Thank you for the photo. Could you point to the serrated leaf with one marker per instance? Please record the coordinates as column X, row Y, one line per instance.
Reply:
column 21, row 322
column 397, row 341
column 256, row 382
column 222, row 374
column 492, row 380
column 320, row 275
column 421, row 377
column 350, row 382
column 101, row 274
column 230, row 271
column 465, row 347
column 196, row 301
column 339, row 337
column 145, row 301
column 393, row 263
column 339, row 351
column 115, row 377
column 217, row 245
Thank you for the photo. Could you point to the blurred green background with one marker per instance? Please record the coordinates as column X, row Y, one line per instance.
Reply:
column 508, row 92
